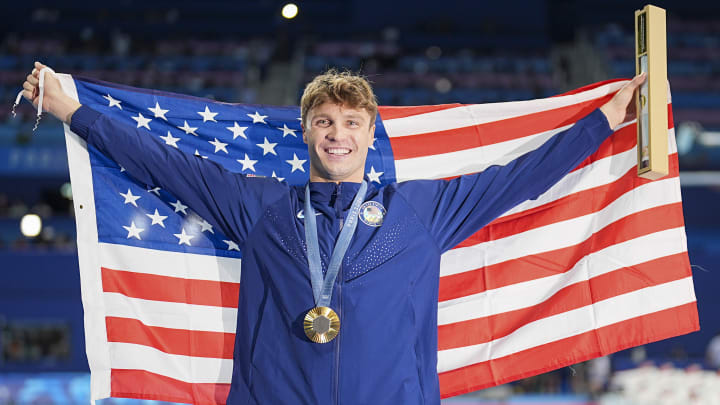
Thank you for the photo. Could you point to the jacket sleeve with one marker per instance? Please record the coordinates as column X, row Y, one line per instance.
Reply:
column 230, row 201
column 453, row 210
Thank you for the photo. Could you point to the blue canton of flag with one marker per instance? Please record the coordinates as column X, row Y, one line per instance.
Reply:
column 255, row 140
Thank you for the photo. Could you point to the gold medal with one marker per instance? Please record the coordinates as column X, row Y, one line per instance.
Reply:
column 321, row 324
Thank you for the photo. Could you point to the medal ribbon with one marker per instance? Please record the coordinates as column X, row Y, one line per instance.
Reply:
column 323, row 287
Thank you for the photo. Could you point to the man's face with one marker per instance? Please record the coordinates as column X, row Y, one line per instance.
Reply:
column 338, row 138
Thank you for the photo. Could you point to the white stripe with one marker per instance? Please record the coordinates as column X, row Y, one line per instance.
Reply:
column 535, row 292
column 477, row 159
column 184, row 368
column 598, row 173
column 88, row 256
column 170, row 264
column 470, row 160
column 171, row 314
column 607, row 312
column 565, row 233
column 476, row 114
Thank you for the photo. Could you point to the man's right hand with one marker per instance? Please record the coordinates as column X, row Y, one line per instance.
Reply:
column 55, row 101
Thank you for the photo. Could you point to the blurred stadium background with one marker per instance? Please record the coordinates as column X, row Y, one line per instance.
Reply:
column 415, row 53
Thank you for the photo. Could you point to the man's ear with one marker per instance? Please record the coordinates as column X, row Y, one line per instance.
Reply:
column 302, row 127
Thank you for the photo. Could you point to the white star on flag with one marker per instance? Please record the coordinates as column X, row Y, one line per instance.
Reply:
column 276, row 177
column 188, row 129
column 258, row 118
column 112, row 102
column 297, row 164
column 219, row 146
column 155, row 190
column 170, row 140
column 372, row 144
column 198, row 154
column 205, row 226
column 142, row 121
column 208, row 115
column 232, row 245
column 133, row 231
column 288, row 131
column 237, row 130
column 184, row 238
column 157, row 219
column 159, row 112
column 247, row 163
column 373, row 175
column 179, row 207
column 130, row 198
column 122, row 169
column 267, row 147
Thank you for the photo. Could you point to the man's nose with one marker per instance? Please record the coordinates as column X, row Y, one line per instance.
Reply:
column 336, row 133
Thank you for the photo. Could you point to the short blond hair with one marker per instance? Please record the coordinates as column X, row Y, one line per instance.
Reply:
column 344, row 88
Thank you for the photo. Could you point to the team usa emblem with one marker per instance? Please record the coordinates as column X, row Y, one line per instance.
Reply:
column 372, row 213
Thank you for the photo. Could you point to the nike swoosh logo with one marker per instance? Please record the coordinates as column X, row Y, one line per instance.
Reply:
column 300, row 214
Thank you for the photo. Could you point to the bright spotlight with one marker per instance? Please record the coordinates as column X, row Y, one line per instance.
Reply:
column 289, row 11
column 30, row 225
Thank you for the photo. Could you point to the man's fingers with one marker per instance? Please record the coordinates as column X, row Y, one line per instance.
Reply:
column 28, row 95
column 638, row 80
column 29, row 87
column 32, row 80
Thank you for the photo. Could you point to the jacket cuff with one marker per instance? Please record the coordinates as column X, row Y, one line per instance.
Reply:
column 82, row 120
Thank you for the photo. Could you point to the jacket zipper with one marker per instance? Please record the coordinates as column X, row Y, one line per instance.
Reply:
column 338, row 197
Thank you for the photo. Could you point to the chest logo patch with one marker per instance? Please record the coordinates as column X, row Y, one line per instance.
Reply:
column 372, row 213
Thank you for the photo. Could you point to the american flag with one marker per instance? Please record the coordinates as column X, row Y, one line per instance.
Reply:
column 596, row 264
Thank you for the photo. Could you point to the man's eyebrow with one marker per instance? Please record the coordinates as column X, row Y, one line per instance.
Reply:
column 353, row 115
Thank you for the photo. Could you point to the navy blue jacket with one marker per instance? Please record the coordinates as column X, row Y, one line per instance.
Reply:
column 386, row 293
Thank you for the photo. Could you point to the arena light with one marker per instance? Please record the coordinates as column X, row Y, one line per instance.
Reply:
column 66, row 191
column 289, row 11
column 443, row 85
column 30, row 225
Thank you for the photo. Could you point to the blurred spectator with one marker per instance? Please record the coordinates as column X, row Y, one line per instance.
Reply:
column 598, row 375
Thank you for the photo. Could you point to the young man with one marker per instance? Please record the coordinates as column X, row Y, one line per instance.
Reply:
column 339, row 288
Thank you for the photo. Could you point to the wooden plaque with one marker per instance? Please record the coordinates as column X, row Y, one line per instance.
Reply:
column 651, row 100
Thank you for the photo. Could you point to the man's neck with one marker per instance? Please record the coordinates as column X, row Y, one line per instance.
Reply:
column 351, row 179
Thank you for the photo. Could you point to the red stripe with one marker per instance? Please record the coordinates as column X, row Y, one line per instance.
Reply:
column 392, row 112
column 174, row 341
column 571, row 206
column 552, row 262
column 452, row 140
column 622, row 140
column 587, row 292
column 589, row 87
column 146, row 385
column 170, row 289
column 609, row 339
column 580, row 203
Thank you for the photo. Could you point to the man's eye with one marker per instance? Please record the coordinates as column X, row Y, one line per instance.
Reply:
column 321, row 122
column 353, row 123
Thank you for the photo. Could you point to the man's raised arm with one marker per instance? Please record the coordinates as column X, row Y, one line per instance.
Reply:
column 227, row 200
column 461, row 206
